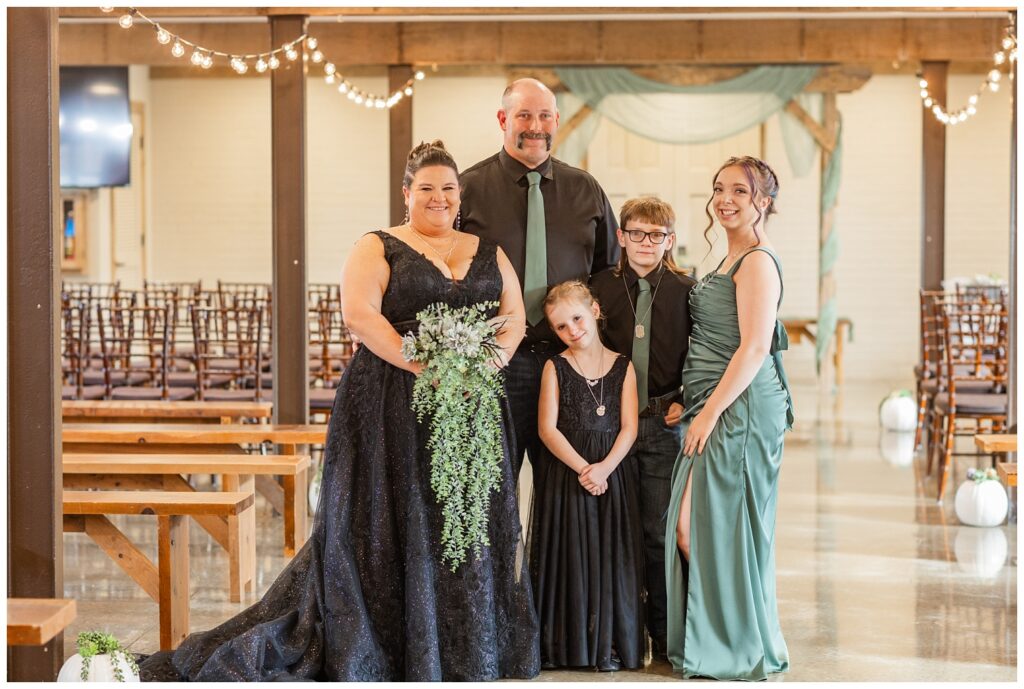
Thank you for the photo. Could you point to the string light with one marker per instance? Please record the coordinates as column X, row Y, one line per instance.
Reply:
column 203, row 57
column 992, row 79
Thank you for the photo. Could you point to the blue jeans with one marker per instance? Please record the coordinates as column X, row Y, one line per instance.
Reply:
column 656, row 448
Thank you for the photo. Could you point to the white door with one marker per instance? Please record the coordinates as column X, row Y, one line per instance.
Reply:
column 128, row 216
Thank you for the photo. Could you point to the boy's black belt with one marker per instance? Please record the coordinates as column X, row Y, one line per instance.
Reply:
column 658, row 406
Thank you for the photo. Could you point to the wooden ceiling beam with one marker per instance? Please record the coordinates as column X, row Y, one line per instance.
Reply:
column 641, row 43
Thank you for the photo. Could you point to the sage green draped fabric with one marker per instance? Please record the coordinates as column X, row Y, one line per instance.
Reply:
column 723, row 620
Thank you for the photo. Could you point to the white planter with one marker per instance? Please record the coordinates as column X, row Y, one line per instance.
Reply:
column 897, row 448
column 898, row 412
column 981, row 503
column 100, row 669
column 980, row 552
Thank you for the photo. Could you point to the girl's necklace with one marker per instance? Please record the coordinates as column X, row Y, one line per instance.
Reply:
column 590, row 385
column 443, row 257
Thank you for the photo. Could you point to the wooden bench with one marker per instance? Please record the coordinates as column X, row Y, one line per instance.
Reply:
column 290, row 499
column 162, row 411
column 996, row 442
column 167, row 582
column 236, row 534
column 34, row 621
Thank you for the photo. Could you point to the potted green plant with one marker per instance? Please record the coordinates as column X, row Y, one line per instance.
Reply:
column 100, row 658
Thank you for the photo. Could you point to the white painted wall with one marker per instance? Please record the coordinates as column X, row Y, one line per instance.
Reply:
column 209, row 156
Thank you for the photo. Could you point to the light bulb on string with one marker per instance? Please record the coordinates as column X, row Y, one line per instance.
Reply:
column 928, row 102
column 924, row 93
column 973, row 100
column 291, row 53
column 311, row 43
column 329, row 68
column 126, row 21
column 923, row 84
column 999, row 58
column 419, row 75
column 163, row 36
column 343, row 87
column 368, row 103
column 971, row 110
column 408, row 90
column 379, row 103
column 351, row 94
column 359, row 99
column 317, row 56
column 177, row 50
column 197, row 57
column 274, row 62
column 1007, row 43
column 994, row 75
column 261, row 65
column 329, row 78
column 993, row 86
column 207, row 62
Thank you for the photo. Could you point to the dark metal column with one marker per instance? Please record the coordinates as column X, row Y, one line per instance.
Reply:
column 288, row 144
column 399, row 140
column 933, row 180
column 35, row 559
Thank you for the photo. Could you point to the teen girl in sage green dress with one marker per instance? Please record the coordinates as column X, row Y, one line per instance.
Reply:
column 720, row 535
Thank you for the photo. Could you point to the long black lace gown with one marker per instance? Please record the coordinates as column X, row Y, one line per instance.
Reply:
column 368, row 597
column 587, row 551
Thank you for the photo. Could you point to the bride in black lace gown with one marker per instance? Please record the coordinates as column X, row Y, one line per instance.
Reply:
column 368, row 597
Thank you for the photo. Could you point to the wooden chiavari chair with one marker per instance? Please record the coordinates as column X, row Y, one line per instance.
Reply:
column 972, row 378
column 228, row 343
column 74, row 354
column 318, row 291
column 331, row 350
column 135, row 345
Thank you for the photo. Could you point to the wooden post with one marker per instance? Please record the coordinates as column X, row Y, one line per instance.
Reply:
column 172, row 551
column 1012, row 354
column 933, row 183
column 288, row 145
column 399, row 139
column 35, row 561
column 826, row 276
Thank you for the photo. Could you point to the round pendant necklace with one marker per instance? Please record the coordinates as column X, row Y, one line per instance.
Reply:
column 444, row 257
column 590, row 385
column 638, row 328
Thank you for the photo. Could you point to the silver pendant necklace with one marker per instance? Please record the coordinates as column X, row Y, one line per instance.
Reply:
column 444, row 257
column 638, row 329
column 591, row 382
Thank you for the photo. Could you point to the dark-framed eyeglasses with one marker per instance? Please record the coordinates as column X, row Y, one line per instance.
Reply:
column 639, row 235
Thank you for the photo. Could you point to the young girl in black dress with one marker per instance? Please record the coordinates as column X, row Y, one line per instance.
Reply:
column 588, row 542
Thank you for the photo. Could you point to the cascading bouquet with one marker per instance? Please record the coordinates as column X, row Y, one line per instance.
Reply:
column 461, row 392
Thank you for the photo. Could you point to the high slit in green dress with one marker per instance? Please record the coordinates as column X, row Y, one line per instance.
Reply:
column 723, row 620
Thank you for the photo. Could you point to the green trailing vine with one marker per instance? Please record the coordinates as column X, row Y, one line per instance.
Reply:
column 97, row 643
column 460, row 391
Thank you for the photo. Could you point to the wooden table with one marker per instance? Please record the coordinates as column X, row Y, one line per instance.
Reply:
column 987, row 442
column 800, row 329
column 34, row 621
column 290, row 499
column 161, row 411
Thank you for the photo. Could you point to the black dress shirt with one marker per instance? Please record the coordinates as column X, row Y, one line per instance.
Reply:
column 670, row 321
column 579, row 222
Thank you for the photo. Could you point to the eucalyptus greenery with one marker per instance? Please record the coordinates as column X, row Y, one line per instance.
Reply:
column 97, row 643
column 460, row 391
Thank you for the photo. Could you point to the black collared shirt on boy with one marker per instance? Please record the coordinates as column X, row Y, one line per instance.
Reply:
column 579, row 221
column 670, row 321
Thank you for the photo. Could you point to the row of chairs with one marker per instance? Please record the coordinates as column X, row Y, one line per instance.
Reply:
column 179, row 342
column 962, row 374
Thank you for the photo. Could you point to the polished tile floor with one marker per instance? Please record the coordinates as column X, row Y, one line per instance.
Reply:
column 875, row 581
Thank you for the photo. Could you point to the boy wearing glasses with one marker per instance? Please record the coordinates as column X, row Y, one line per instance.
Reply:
column 645, row 303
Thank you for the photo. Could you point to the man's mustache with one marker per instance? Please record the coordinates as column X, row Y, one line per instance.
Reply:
column 532, row 135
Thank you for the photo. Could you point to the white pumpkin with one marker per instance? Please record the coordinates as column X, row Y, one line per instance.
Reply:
column 981, row 503
column 101, row 669
column 897, row 447
column 898, row 411
column 980, row 552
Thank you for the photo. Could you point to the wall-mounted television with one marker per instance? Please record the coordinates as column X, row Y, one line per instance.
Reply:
column 95, row 127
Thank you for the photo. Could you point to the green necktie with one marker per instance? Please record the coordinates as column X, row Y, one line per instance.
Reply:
column 642, row 344
column 535, row 280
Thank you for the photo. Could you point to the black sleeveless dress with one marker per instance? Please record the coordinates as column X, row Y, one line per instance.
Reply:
column 587, row 551
column 368, row 597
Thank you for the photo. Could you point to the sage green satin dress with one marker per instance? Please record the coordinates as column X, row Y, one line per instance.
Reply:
column 723, row 620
